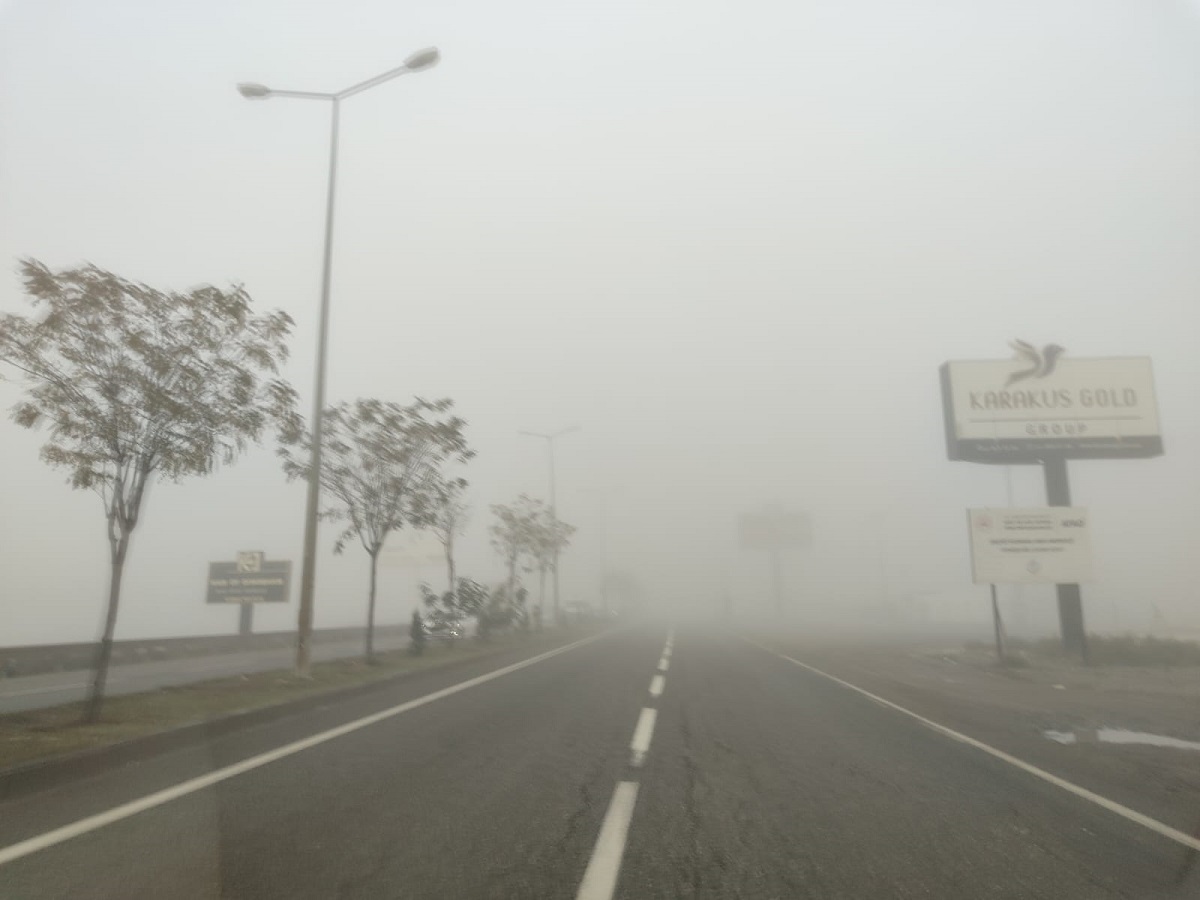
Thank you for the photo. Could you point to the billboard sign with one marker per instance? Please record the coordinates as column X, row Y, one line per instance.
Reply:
column 251, row 579
column 1040, row 545
column 1040, row 404
column 774, row 529
column 412, row 549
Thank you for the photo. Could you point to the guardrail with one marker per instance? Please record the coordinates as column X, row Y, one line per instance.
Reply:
column 40, row 658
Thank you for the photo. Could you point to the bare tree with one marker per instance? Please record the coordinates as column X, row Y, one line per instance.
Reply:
column 134, row 382
column 380, row 461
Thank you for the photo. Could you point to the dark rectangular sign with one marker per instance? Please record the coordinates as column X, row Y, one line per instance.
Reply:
column 272, row 584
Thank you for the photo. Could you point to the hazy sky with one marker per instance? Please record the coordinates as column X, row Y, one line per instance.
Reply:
column 731, row 241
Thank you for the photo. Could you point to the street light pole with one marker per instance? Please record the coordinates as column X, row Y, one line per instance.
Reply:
column 549, row 439
column 422, row 59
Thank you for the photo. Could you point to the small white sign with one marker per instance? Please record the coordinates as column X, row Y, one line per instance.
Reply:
column 412, row 549
column 1039, row 545
column 249, row 562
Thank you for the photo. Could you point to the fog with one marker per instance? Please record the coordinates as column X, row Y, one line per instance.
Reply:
column 731, row 242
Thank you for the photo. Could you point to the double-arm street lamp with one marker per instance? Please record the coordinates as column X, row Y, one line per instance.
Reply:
column 417, row 62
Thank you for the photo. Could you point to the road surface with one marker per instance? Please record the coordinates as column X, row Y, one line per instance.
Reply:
column 56, row 688
column 631, row 765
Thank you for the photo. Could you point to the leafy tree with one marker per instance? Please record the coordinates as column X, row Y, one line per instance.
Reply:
column 469, row 599
column 549, row 537
column 446, row 516
column 380, row 461
column 133, row 382
column 515, row 533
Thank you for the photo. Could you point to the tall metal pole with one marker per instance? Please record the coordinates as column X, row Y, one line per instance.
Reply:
column 554, row 517
column 308, row 572
column 416, row 62
column 549, row 439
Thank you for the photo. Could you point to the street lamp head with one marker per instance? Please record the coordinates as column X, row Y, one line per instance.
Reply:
column 423, row 59
column 252, row 91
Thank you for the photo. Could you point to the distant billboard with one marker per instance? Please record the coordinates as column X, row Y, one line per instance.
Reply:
column 251, row 579
column 774, row 529
column 1040, row 404
column 1040, row 545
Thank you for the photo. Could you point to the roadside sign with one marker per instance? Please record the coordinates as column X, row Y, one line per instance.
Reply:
column 1041, row 404
column 250, row 579
column 412, row 549
column 1038, row 545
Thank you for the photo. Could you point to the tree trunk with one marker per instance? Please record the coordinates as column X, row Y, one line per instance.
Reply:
column 371, row 607
column 542, row 588
column 512, row 578
column 91, row 711
column 450, row 569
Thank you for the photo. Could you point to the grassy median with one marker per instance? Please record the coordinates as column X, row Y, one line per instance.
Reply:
column 41, row 733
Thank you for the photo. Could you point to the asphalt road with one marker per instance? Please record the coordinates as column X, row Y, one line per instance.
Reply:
column 56, row 688
column 625, row 766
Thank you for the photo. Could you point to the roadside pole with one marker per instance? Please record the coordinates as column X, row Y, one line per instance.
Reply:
column 1070, row 597
column 998, row 626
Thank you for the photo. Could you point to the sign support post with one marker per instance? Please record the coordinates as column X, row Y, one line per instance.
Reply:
column 246, row 620
column 777, row 580
column 775, row 530
column 1070, row 597
column 998, row 626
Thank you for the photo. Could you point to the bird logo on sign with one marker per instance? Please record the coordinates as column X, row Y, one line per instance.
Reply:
column 1041, row 363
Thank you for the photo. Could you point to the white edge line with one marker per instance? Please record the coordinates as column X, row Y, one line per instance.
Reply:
column 1111, row 805
column 158, row 798
column 600, row 878
column 656, row 686
column 642, row 735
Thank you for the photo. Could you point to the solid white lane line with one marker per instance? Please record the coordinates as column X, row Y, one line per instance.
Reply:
column 656, row 686
column 158, row 798
column 1111, row 805
column 600, row 878
column 664, row 664
column 642, row 734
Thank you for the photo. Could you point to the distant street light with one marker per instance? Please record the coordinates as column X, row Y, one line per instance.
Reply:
column 417, row 62
column 549, row 439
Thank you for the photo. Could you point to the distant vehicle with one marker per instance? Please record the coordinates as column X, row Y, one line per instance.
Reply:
column 446, row 629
